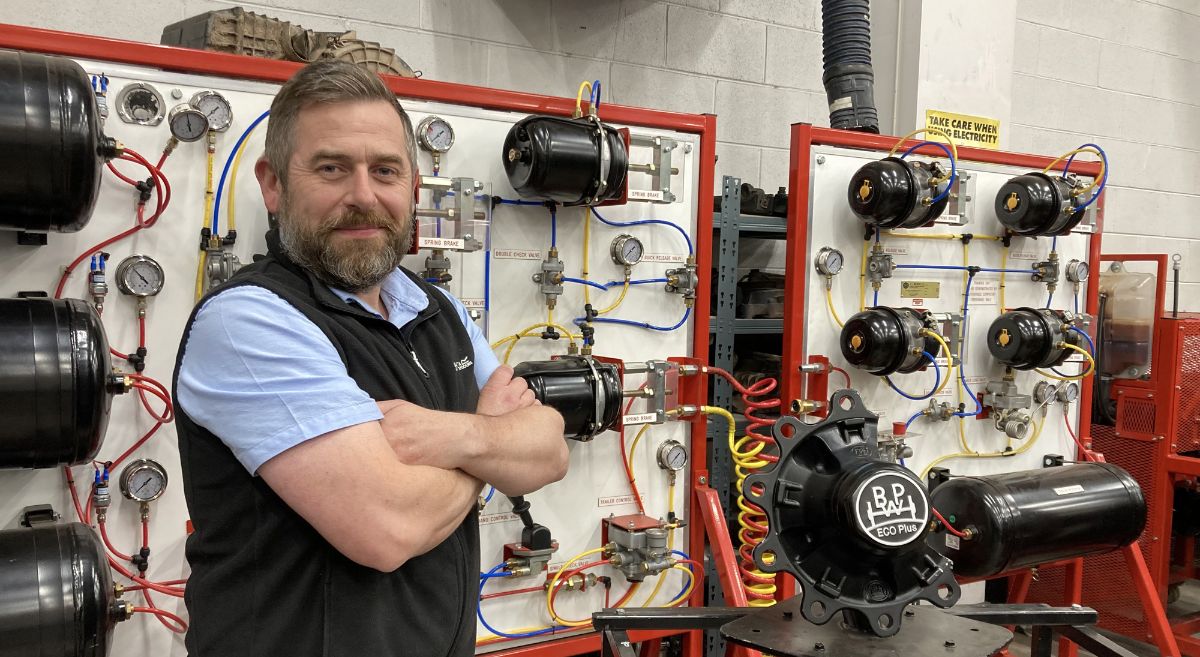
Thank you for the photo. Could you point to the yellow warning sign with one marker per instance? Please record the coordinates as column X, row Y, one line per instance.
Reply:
column 966, row 130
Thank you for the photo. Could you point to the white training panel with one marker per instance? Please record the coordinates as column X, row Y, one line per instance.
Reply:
column 596, row 485
column 832, row 223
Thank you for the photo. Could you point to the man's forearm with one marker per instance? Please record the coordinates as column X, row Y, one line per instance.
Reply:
column 519, row 452
column 457, row 494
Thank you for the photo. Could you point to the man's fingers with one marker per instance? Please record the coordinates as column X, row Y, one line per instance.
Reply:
column 528, row 398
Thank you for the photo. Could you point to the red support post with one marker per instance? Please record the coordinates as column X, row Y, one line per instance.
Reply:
column 1156, row 616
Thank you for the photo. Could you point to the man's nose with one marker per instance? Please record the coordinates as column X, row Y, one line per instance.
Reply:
column 361, row 194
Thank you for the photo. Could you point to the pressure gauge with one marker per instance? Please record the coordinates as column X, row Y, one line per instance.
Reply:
column 1068, row 392
column 829, row 261
column 627, row 250
column 140, row 276
column 215, row 108
column 434, row 134
column 143, row 481
column 1077, row 271
column 672, row 455
column 1044, row 392
column 187, row 123
column 141, row 104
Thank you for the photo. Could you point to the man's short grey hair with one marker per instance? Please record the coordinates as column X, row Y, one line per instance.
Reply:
column 325, row 81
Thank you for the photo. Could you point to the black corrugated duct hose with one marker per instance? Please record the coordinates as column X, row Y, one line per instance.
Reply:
column 849, row 79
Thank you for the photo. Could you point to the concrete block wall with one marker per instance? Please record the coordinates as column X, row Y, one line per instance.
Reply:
column 755, row 63
column 1125, row 74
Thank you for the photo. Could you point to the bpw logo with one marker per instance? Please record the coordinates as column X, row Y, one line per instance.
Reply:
column 891, row 509
column 463, row 364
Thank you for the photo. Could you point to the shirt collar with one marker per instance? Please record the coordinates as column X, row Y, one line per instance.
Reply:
column 397, row 291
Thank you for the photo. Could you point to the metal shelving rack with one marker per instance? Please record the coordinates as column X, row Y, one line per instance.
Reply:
column 730, row 226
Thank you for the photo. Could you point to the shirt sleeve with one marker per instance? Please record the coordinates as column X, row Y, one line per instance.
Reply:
column 263, row 378
column 485, row 359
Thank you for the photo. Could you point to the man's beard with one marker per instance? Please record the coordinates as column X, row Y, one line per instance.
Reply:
column 353, row 264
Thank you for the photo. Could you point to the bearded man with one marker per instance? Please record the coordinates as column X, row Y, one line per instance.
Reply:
column 337, row 415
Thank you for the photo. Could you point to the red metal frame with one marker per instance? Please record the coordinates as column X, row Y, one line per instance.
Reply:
column 186, row 60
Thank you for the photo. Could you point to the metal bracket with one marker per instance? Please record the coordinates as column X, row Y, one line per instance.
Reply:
column 38, row 514
column 660, row 169
column 661, row 388
column 961, row 202
column 466, row 209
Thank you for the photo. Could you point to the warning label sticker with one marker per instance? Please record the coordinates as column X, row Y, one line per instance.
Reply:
column 966, row 130
column 920, row 289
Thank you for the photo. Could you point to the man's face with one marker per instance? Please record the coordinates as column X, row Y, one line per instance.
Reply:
column 347, row 210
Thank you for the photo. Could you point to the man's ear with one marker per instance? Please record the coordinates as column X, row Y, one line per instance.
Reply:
column 416, row 186
column 269, row 183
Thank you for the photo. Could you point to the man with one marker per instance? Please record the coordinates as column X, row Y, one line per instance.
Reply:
column 337, row 415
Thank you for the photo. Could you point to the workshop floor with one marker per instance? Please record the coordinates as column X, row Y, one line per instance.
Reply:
column 1188, row 603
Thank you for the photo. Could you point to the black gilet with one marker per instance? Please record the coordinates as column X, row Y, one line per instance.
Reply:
column 264, row 582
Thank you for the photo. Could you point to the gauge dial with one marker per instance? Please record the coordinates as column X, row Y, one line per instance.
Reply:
column 143, row 481
column 672, row 455
column 140, row 276
column 627, row 250
column 1044, row 392
column 1077, row 271
column 435, row 134
column 141, row 104
column 187, row 123
column 829, row 261
column 215, row 108
column 1068, row 392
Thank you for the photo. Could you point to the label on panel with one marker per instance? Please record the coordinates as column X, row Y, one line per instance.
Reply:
column 985, row 291
column 920, row 290
column 644, row 195
column 441, row 243
column 518, row 254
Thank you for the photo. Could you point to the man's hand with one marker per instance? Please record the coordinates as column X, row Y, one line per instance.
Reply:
column 503, row 394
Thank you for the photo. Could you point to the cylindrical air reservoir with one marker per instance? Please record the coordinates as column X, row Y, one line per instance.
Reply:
column 890, row 193
column 54, row 380
column 883, row 340
column 1037, row 204
column 586, row 392
column 54, row 150
column 1022, row 519
column 569, row 161
column 56, row 593
column 1029, row 338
